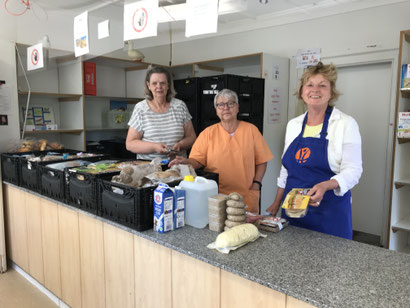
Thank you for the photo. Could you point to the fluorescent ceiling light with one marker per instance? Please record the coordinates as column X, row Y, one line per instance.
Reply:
column 178, row 11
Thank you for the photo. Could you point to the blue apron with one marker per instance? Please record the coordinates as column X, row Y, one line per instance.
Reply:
column 307, row 165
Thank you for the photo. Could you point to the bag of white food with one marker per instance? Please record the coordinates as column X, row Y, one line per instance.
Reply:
column 236, row 237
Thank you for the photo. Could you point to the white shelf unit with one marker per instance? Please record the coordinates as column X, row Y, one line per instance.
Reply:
column 59, row 86
column 246, row 65
column 399, row 233
column 117, row 80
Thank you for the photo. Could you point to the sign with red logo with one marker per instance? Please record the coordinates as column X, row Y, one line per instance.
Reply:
column 302, row 155
column 140, row 19
column 35, row 57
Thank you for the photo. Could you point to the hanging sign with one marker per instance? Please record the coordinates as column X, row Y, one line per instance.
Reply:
column 140, row 19
column 35, row 57
column 81, row 39
column 201, row 17
column 307, row 57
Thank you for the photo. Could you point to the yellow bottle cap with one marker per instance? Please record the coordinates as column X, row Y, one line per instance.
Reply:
column 189, row 178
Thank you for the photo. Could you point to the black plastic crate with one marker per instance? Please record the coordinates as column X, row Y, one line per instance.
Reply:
column 188, row 90
column 52, row 182
column 133, row 207
column 116, row 148
column 29, row 171
column 10, row 167
column 255, row 120
column 251, row 87
column 82, row 189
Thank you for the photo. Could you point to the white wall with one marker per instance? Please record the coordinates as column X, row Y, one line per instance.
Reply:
column 8, row 73
column 338, row 34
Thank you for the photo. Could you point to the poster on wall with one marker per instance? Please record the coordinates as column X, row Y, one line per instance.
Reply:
column 140, row 19
column 35, row 57
column 201, row 17
column 274, row 108
column 81, row 39
column 307, row 57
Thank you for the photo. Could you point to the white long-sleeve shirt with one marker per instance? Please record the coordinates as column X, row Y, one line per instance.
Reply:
column 344, row 150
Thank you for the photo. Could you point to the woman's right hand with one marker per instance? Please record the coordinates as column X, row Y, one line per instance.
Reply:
column 161, row 148
column 178, row 160
column 273, row 208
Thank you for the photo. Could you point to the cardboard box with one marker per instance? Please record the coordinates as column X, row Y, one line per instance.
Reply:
column 179, row 207
column 403, row 125
column 163, row 209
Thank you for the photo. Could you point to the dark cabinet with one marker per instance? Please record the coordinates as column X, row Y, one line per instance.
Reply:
column 198, row 94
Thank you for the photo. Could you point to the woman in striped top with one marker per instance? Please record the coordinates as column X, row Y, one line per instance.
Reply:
column 159, row 123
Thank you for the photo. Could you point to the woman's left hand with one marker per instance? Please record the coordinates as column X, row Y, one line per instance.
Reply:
column 317, row 191
column 176, row 147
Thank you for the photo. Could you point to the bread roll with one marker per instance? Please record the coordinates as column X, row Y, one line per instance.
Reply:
column 235, row 211
column 235, row 196
column 231, row 224
column 237, row 204
column 237, row 218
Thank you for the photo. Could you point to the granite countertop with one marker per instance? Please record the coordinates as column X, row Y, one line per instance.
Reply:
column 322, row 270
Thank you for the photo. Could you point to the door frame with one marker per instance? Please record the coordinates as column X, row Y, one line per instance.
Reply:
column 356, row 59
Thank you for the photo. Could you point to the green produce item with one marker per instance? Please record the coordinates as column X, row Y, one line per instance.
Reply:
column 97, row 168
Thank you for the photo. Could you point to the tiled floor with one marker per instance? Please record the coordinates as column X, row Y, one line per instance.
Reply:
column 17, row 292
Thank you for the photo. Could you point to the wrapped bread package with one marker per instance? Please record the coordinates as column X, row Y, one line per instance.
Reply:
column 217, row 212
column 296, row 202
column 235, row 237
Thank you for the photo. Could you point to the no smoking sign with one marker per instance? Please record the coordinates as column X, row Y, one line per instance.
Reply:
column 140, row 19
column 35, row 57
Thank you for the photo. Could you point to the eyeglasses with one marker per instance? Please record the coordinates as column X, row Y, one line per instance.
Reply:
column 223, row 105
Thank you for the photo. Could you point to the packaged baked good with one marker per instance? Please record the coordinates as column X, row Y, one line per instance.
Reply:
column 296, row 202
column 235, row 237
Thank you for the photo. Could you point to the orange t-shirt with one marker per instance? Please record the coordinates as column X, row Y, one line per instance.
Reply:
column 234, row 158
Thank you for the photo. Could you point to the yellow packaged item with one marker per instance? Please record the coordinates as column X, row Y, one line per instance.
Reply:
column 296, row 202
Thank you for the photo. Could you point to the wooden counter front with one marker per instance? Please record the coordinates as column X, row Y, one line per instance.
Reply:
column 90, row 263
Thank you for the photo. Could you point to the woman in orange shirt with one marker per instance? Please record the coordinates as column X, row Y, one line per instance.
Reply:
column 234, row 149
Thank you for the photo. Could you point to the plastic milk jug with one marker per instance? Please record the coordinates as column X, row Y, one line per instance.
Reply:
column 197, row 193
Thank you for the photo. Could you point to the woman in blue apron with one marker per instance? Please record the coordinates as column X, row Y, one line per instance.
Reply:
column 322, row 152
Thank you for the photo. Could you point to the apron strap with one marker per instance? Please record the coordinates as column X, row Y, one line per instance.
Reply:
column 323, row 132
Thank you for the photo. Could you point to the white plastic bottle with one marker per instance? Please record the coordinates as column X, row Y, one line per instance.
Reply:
column 197, row 193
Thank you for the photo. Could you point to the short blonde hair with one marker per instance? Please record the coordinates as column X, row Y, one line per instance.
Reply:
column 328, row 71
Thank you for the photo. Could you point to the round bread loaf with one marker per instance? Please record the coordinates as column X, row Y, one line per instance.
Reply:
column 226, row 228
column 237, row 204
column 235, row 196
column 235, row 211
column 231, row 224
column 238, row 218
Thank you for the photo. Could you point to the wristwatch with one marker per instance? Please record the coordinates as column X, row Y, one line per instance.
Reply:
column 257, row 182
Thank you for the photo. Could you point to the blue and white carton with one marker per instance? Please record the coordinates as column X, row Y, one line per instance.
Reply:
column 179, row 207
column 163, row 208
